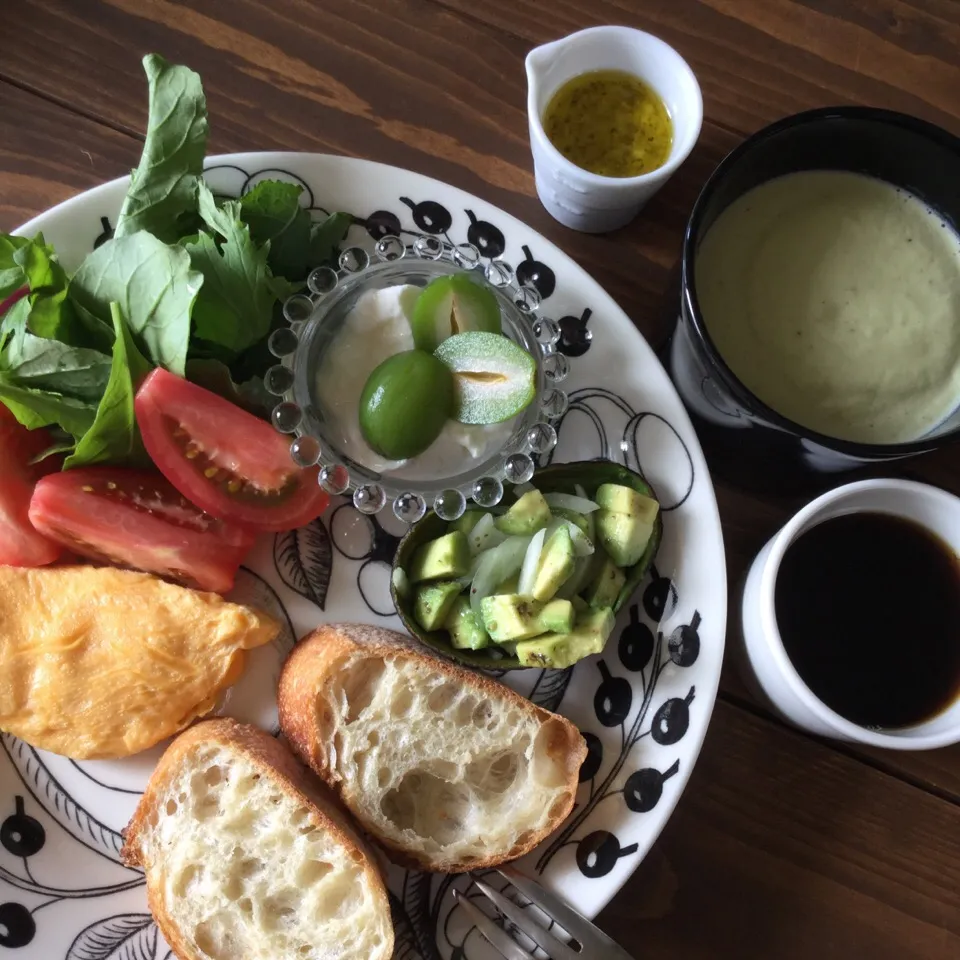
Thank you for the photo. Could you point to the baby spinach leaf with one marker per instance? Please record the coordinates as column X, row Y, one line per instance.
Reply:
column 155, row 288
column 273, row 213
column 11, row 273
column 162, row 193
column 52, row 315
column 50, row 365
column 235, row 305
column 113, row 437
column 41, row 408
column 14, row 323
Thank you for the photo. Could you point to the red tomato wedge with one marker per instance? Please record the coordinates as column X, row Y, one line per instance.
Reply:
column 134, row 518
column 20, row 544
column 227, row 461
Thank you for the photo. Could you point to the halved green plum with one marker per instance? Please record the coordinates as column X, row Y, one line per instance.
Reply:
column 557, row 478
column 405, row 403
column 452, row 305
column 494, row 378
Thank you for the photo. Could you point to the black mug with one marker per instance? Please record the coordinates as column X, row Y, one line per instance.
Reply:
column 744, row 438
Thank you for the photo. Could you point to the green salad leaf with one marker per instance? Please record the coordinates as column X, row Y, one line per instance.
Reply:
column 11, row 273
column 41, row 408
column 273, row 213
column 53, row 366
column 162, row 194
column 113, row 436
column 326, row 237
column 235, row 306
column 155, row 287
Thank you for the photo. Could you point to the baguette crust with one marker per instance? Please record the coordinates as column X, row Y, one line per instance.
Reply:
column 272, row 760
column 307, row 716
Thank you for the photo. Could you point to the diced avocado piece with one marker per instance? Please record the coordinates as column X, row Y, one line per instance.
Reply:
column 467, row 521
column 560, row 650
column 528, row 515
column 605, row 586
column 556, row 564
column 580, row 519
column 623, row 536
column 446, row 557
column 620, row 499
column 585, row 571
column 433, row 602
column 465, row 627
column 557, row 616
column 510, row 585
column 508, row 616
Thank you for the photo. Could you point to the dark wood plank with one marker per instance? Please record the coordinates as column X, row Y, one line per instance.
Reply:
column 48, row 155
column 757, row 62
column 862, row 866
column 423, row 87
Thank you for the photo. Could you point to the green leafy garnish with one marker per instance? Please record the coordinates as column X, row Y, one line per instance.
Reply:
column 51, row 365
column 113, row 437
column 189, row 281
column 235, row 304
column 155, row 287
column 163, row 188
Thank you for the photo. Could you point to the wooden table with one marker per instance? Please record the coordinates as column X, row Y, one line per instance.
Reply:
column 783, row 846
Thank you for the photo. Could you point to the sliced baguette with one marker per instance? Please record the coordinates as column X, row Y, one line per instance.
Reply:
column 244, row 857
column 449, row 770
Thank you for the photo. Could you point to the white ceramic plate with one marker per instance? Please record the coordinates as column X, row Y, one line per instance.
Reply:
column 643, row 706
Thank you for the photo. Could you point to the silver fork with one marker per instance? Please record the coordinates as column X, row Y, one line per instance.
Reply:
column 589, row 941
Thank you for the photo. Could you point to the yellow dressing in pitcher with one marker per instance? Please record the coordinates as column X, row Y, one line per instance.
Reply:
column 610, row 123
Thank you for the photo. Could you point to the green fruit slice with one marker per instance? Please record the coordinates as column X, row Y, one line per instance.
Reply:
column 405, row 403
column 494, row 379
column 451, row 305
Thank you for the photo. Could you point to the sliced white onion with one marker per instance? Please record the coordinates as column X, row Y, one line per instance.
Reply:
column 485, row 535
column 401, row 583
column 574, row 582
column 521, row 488
column 528, row 572
column 579, row 491
column 582, row 544
column 495, row 566
column 567, row 501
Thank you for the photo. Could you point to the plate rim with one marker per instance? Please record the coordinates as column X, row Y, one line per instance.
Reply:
column 266, row 161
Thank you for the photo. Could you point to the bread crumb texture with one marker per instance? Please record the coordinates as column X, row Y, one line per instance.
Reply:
column 437, row 766
column 247, row 870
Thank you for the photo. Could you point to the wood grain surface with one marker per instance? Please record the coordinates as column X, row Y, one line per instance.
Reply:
column 783, row 846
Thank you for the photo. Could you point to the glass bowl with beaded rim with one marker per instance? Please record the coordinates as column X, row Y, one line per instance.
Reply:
column 316, row 318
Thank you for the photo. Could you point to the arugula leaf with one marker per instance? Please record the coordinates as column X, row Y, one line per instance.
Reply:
column 51, row 315
column 113, row 437
column 235, row 304
column 155, row 288
column 50, row 365
column 215, row 376
column 273, row 213
column 326, row 237
column 41, row 408
column 11, row 273
column 162, row 193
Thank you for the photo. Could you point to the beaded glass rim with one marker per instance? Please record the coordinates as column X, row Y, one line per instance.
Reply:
column 372, row 491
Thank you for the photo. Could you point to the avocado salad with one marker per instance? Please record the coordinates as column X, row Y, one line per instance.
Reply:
column 540, row 582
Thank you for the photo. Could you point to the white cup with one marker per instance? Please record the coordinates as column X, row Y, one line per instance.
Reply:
column 580, row 199
column 764, row 661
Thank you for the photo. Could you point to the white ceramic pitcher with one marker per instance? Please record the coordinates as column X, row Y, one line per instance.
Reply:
column 587, row 201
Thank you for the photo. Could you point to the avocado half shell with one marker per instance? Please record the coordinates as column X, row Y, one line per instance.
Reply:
column 557, row 478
